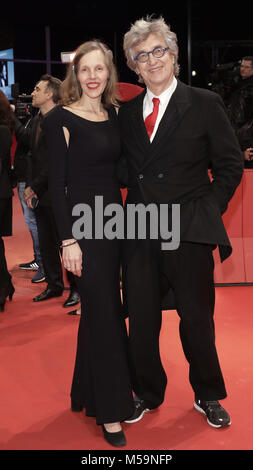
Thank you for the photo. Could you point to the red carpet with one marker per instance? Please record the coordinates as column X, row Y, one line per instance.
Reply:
column 37, row 348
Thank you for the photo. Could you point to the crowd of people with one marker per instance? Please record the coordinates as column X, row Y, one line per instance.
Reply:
column 160, row 145
column 240, row 110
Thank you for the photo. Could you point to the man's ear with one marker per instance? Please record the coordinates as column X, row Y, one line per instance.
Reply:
column 50, row 94
column 137, row 71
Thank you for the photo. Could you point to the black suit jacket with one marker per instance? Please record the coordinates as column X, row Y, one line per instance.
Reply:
column 194, row 135
column 37, row 165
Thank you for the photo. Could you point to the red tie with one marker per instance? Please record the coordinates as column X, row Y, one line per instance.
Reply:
column 151, row 118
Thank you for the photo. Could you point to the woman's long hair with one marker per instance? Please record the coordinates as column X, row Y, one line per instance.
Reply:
column 71, row 90
column 7, row 117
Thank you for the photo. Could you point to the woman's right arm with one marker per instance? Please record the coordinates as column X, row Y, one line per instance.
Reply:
column 57, row 147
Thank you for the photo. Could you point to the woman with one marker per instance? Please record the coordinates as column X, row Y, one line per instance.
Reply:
column 6, row 128
column 84, row 146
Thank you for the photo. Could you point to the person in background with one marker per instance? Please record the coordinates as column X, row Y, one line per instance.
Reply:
column 3, row 73
column 21, row 159
column 240, row 110
column 84, row 147
column 7, row 123
column 171, row 133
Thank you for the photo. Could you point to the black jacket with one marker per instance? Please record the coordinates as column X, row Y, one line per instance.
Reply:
column 22, row 156
column 37, row 168
column 193, row 135
column 240, row 111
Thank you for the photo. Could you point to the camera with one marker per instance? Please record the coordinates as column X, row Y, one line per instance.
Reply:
column 225, row 78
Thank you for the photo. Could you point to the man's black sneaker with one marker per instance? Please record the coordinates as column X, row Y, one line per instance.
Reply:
column 216, row 415
column 39, row 276
column 140, row 410
column 32, row 266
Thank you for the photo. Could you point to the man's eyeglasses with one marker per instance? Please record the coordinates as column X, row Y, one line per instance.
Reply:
column 157, row 52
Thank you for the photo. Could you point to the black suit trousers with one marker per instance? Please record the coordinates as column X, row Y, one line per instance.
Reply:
column 49, row 247
column 189, row 272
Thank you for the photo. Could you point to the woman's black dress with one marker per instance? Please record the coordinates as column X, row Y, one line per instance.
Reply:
column 78, row 173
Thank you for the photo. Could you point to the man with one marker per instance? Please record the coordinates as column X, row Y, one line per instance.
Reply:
column 22, row 155
column 46, row 95
column 240, row 109
column 166, row 161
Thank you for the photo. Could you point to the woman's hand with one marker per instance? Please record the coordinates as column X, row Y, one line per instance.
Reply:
column 72, row 258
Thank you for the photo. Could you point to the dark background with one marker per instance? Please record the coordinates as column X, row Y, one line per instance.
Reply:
column 220, row 33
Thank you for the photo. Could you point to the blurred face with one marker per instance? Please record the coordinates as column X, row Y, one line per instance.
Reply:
column 93, row 74
column 246, row 69
column 41, row 94
column 157, row 73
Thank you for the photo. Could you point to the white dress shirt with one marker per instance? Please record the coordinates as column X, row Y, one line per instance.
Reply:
column 164, row 101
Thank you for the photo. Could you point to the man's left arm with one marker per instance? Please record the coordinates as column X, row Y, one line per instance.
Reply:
column 227, row 160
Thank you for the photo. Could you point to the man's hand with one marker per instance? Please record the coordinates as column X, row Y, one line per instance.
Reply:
column 29, row 194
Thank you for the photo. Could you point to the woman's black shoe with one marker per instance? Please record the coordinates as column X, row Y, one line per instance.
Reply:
column 74, row 312
column 11, row 291
column 76, row 406
column 73, row 299
column 4, row 293
column 116, row 439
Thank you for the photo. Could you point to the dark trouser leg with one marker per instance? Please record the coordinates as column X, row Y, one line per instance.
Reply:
column 190, row 271
column 49, row 246
column 30, row 220
column 4, row 273
column 141, row 282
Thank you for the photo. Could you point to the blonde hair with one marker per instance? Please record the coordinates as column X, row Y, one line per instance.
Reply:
column 71, row 90
column 139, row 32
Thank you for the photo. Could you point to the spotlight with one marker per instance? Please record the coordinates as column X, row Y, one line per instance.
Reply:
column 67, row 57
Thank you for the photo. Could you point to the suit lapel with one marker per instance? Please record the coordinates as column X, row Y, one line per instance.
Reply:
column 177, row 107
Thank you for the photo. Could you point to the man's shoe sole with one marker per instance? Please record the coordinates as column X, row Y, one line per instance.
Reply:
column 39, row 280
column 209, row 422
column 139, row 417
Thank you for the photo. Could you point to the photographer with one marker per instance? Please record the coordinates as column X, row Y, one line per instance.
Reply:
column 240, row 110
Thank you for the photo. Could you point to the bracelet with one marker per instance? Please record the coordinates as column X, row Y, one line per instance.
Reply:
column 68, row 244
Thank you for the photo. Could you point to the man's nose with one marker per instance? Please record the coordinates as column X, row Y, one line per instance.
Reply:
column 151, row 58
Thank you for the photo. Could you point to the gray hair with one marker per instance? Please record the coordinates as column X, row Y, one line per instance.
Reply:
column 139, row 32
